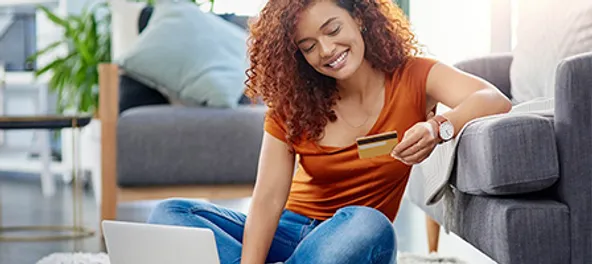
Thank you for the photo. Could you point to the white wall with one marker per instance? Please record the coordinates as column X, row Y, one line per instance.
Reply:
column 242, row 7
column 501, row 25
column 453, row 30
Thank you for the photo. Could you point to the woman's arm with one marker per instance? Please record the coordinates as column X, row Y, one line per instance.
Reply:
column 276, row 166
column 468, row 96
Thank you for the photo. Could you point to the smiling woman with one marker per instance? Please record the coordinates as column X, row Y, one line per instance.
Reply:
column 317, row 47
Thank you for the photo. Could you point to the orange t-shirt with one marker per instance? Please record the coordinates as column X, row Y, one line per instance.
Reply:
column 329, row 178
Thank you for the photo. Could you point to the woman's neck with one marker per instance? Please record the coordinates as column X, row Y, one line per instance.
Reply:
column 362, row 84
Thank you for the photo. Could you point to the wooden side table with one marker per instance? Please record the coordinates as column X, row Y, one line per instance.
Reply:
column 51, row 122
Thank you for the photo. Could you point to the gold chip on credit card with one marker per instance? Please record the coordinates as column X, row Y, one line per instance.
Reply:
column 377, row 145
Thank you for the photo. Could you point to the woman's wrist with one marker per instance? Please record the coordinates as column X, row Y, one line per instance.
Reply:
column 434, row 129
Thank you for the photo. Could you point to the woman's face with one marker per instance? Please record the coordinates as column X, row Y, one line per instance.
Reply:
column 330, row 40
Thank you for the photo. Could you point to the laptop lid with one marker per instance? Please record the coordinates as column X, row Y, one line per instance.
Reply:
column 131, row 243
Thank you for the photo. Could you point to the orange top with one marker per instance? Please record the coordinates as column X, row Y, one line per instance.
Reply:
column 328, row 178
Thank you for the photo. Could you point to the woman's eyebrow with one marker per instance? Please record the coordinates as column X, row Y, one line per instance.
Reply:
column 322, row 26
column 327, row 22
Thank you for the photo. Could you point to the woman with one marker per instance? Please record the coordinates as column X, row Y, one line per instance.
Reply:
column 332, row 71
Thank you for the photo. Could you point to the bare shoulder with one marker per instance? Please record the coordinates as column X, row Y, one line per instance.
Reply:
column 275, row 145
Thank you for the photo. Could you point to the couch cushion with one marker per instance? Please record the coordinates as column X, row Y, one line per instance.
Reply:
column 507, row 154
column 513, row 230
column 193, row 57
column 175, row 145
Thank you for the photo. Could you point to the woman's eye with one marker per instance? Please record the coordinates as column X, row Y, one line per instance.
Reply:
column 308, row 49
column 335, row 31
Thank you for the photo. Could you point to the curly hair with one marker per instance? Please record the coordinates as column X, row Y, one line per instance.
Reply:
column 294, row 91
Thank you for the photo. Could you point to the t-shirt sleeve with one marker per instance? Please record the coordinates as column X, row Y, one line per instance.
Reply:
column 275, row 127
column 417, row 75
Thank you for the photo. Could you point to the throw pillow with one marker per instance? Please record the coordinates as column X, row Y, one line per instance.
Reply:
column 548, row 31
column 192, row 57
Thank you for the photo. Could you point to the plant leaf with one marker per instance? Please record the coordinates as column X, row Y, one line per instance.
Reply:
column 80, row 76
column 56, row 63
column 44, row 50
column 91, row 36
column 53, row 17
column 82, row 47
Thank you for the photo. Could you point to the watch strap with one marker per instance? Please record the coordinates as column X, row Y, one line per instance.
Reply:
column 440, row 119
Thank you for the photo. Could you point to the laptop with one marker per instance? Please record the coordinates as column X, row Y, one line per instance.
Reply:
column 140, row 243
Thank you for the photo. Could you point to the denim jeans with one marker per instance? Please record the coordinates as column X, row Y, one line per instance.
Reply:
column 355, row 234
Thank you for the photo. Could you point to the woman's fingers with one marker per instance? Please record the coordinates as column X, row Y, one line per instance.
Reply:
column 417, row 143
column 417, row 157
column 418, row 146
column 410, row 138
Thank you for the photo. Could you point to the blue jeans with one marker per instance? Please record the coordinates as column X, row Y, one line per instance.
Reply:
column 355, row 234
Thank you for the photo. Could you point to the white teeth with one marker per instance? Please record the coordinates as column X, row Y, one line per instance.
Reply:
column 338, row 60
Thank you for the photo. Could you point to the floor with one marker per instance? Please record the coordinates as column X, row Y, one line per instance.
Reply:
column 22, row 203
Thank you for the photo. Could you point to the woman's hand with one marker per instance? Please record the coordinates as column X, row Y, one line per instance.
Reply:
column 417, row 144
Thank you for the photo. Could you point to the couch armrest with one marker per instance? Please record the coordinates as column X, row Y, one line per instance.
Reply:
column 168, row 145
column 493, row 68
column 573, row 127
column 507, row 154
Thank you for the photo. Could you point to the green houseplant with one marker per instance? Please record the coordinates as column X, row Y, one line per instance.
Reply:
column 74, row 76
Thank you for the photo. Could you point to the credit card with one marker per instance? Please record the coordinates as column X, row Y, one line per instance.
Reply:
column 377, row 145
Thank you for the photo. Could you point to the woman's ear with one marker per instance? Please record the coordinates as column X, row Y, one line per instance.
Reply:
column 360, row 24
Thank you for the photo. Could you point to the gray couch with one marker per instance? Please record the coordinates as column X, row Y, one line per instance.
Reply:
column 522, row 184
column 164, row 145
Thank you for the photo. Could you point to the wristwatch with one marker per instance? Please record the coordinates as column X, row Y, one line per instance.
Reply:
column 445, row 128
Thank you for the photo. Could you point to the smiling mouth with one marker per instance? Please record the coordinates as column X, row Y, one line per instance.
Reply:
column 339, row 61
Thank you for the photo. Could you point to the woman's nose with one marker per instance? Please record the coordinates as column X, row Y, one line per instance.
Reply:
column 327, row 48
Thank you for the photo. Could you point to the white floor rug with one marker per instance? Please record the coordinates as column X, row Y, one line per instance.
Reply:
column 102, row 258
column 75, row 258
column 408, row 258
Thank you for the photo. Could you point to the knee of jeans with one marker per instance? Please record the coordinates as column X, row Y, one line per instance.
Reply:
column 171, row 206
column 368, row 215
column 371, row 224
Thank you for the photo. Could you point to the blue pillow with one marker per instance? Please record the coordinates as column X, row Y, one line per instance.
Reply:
column 192, row 57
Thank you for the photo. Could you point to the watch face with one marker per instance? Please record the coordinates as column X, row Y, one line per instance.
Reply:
column 446, row 131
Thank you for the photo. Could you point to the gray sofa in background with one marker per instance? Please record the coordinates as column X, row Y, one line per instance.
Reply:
column 522, row 184
column 180, row 146
column 162, row 144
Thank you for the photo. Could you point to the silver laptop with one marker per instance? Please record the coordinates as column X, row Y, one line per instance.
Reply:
column 139, row 243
